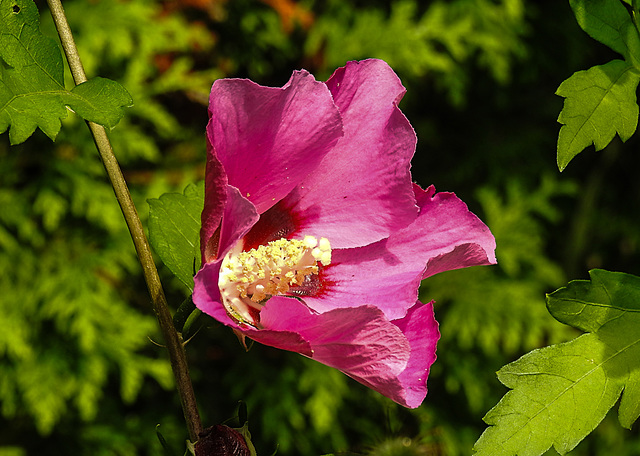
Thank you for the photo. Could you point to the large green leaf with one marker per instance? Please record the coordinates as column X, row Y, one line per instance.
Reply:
column 32, row 92
column 562, row 392
column 174, row 230
column 599, row 103
column 609, row 22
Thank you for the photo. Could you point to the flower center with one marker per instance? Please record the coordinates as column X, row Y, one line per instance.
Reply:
column 248, row 279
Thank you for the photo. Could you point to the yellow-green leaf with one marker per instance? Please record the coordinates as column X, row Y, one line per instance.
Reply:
column 559, row 394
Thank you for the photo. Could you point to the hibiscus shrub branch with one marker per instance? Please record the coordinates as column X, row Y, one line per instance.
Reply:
column 172, row 338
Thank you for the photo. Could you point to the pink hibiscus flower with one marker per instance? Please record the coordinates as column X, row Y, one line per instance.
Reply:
column 314, row 238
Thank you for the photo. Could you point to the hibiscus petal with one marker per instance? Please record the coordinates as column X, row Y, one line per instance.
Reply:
column 387, row 274
column 206, row 294
column 215, row 198
column 361, row 342
column 239, row 216
column 391, row 357
column 454, row 237
column 421, row 329
column 268, row 139
column 373, row 275
column 361, row 191
column 358, row 338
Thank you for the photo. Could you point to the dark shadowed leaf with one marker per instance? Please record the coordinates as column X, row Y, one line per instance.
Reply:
column 599, row 103
column 174, row 230
column 609, row 22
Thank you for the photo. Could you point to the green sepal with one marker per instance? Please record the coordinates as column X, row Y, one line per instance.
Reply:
column 182, row 313
column 193, row 324
column 244, row 430
column 190, row 450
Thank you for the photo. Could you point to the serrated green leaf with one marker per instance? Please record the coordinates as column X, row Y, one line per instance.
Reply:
column 174, row 230
column 589, row 304
column 599, row 103
column 32, row 92
column 562, row 392
column 609, row 22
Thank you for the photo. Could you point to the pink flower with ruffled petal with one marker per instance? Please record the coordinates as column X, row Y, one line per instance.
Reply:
column 314, row 238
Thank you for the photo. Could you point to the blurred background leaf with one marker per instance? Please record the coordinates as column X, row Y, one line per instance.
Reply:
column 79, row 373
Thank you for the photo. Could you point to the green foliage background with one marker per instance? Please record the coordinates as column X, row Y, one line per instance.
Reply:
column 79, row 372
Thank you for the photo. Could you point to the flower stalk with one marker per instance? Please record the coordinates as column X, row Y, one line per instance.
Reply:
column 172, row 338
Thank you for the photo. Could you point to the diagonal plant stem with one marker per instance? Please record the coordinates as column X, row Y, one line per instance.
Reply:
column 172, row 338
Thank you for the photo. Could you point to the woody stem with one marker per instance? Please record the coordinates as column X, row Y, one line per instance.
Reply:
column 172, row 338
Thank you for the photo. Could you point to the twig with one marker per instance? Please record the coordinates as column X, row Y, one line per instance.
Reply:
column 172, row 338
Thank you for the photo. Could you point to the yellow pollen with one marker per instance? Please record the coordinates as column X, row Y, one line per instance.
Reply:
column 249, row 278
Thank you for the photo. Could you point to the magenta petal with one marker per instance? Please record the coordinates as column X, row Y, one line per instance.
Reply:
column 284, row 340
column 391, row 357
column 387, row 274
column 360, row 342
column 453, row 236
column 268, row 139
column 373, row 275
column 239, row 216
column 206, row 294
column 361, row 191
column 215, row 198
column 353, row 340
column 461, row 256
column 421, row 329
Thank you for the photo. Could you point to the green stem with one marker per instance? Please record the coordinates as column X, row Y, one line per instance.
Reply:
column 172, row 338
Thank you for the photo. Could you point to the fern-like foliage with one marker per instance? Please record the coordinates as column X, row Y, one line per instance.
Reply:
column 439, row 40
column 65, row 327
column 76, row 318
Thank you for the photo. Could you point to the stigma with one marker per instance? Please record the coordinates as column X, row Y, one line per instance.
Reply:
column 248, row 279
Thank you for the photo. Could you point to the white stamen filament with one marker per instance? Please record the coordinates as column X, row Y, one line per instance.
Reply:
column 248, row 279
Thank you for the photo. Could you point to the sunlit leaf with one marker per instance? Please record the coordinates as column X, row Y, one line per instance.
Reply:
column 609, row 22
column 559, row 394
column 174, row 227
column 609, row 306
column 599, row 103
column 32, row 92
